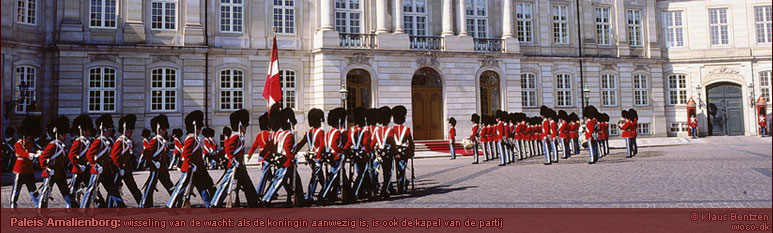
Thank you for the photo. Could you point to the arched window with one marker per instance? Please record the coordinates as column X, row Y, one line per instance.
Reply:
column 608, row 90
column 564, row 90
column 489, row 93
column 529, row 90
column 163, row 89
column 641, row 96
column 102, row 94
column 358, row 85
column 26, row 78
column 231, row 89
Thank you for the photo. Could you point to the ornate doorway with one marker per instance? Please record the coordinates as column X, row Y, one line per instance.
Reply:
column 489, row 93
column 725, row 109
column 358, row 85
column 427, row 104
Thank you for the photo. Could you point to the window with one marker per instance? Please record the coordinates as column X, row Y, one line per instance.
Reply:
column 641, row 93
column 232, row 14
column 477, row 18
column 718, row 26
column 765, row 79
column 489, row 93
column 523, row 16
column 608, row 90
column 347, row 16
column 25, row 11
column 678, row 127
column 415, row 18
column 643, row 128
column 564, row 90
column 163, row 15
column 677, row 89
column 614, row 131
column 358, row 84
column 602, row 26
column 634, row 27
column 25, row 76
column 763, row 19
column 231, row 89
column 674, row 28
column 284, row 16
column 288, row 88
column 163, row 89
column 102, row 93
column 103, row 13
column 529, row 90
column 560, row 24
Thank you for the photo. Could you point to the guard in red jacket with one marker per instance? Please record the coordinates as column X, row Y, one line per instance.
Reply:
column 404, row 147
column 286, row 174
column 484, row 137
column 564, row 128
column 546, row 138
column 103, row 169
column 236, row 176
column 194, row 172
column 315, row 139
column 262, row 139
column 763, row 123
column 145, row 143
column 511, row 143
column 156, row 159
column 635, row 123
column 385, row 147
column 554, row 139
column 452, row 136
column 25, row 153
column 178, row 148
column 475, row 137
column 591, row 134
column 210, row 146
column 518, row 132
column 122, row 153
column 52, row 161
column 82, row 127
column 604, row 134
column 358, row 149
column 575, row 133
column 335, row 140
column 499, row 133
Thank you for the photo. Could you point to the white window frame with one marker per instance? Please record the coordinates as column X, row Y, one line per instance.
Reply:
column 232, row 82
column 289, row 92
column 766, row 77
column 164, row 89
column 634, row 19
column 415, row 17
column 564, row 91
column 164, row 22
column 641, row 91
column 643, row 128
column 529, row 90
column 231, row 16
column 103, row 16
column 560, row 24
column 719, row 26
column 674, row 29
column 104, row 89
column 608, row 90
column 603, row 26
column 763, row 24
column 352, row 16
column 477, row 18
column 614, row 131
column 524, row 14
column 27, row 74
column 676, row 85
column 679, row 126
column 26, row 12
column 285, row 10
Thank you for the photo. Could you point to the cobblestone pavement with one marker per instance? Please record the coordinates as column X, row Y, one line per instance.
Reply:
column 723, row 172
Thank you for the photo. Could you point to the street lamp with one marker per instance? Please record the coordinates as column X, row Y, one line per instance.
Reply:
column 698, row 89
column 24, row 92
column 586, row 95
column 751, row 94
column 343, row 92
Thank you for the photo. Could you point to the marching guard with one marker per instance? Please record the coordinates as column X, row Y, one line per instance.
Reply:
column 82, row 126
column 564, row 130
column 156, row 159
column 236, row 175
column 384, row 145
column 283, row 158
column 102, row 170
column 122, row 152
column 194, row 172
column 635, row 124
column 315, row 139
column 52, row 161
column 145, row 143
column 337, row 180
column 357, row 146
column 404, row 147
column 474, row 137
column 547, row 141
column 591, row 133
column 178, row 148
column 261, row 141
column 25, row 153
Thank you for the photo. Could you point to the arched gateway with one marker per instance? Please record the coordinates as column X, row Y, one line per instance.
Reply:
column 427, row 104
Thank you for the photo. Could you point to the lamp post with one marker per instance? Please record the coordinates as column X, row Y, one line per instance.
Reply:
column 751, row 94
column 586, row 97
column 698, row 89
column 24, row 93
column 343, row 92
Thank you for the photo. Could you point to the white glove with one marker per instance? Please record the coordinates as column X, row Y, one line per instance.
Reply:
column 236, row 163
column 32, row 156
column 50, row 171
column 120, row 172
column 82, row 168
column 158, row 165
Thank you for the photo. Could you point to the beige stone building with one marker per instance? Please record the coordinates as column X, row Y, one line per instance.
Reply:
column 439, row 58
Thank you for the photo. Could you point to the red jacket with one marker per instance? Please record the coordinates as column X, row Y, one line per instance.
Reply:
column 209, row 145
column 603, row 130
column 358, row 135
column 99, row 154
column 452, row 134
column 191, row 154
column 333, row 142
column 545, row 129
column 285, row 140
column 156, row 150
column 519, row 131
column 635, row 126
column 402, row 135
column 121, row 152
column 563, row 131
column 53, row 157
column 23, row 163
column 763, row 122
column 381, row 135
column 553, row 129
column 234, row 149
column 628, row 129
column 178, row 147
column 500, row 131
column 590, row 125
column 261, row 139
column 474, row 133
column 77, row 153
column 315, row 140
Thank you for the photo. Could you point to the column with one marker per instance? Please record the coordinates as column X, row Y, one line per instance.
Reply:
column 448, row 18
column 507, row 19
column 327, row 20
column 381, row 16
column 399, row 16
column 462, row 18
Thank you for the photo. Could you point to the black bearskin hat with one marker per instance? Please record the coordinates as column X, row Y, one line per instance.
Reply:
column 372, row 116
column 104, row 122
column 359, row 116
column 61, row 125
column 208, row 132
column 384, row 115
column 145, row 133
column 241, row 118
column 475, row 118
column 193, row 121
column 159, row 122
column 30, row 126
column 398, row 114
column 452, row 121
column 127, row 122
column 316, row 117
column 264, row 122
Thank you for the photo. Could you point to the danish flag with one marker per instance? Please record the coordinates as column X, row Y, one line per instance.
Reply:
column 272, row 89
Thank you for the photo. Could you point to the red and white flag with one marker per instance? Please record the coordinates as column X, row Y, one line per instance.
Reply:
column 272, row 89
